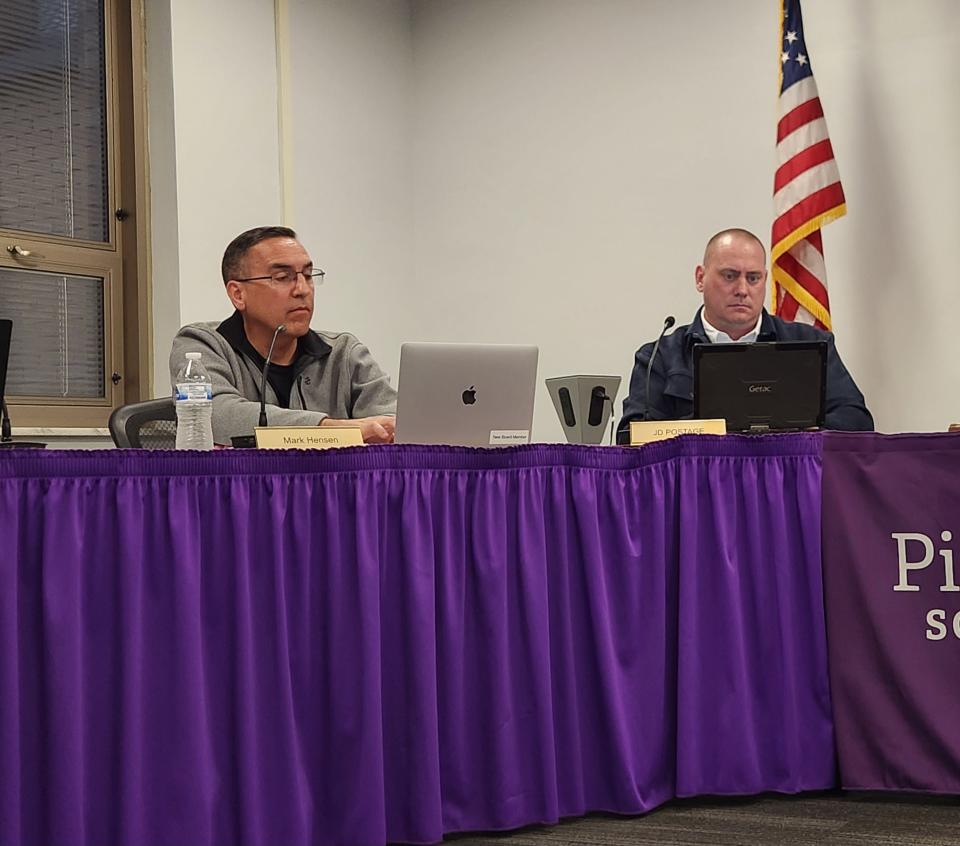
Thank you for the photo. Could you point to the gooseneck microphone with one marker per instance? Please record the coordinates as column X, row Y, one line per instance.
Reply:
column 6, row 433
column 666, row 325
column 266, row 369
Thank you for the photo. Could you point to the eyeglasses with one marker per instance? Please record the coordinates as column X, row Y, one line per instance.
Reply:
column 286, row 277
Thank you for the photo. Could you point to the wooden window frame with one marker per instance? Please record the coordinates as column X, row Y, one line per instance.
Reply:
column 124, row 262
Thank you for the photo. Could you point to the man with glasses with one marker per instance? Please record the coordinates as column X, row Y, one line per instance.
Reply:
column 732, row 280
column 315, row 378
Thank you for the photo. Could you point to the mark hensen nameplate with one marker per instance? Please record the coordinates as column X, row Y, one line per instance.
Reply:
column 648, row 431
column 307, row 437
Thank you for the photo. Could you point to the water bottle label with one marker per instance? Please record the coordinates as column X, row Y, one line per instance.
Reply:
column 193, row 391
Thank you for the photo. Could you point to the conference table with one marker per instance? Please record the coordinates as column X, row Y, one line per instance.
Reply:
column 390, row 644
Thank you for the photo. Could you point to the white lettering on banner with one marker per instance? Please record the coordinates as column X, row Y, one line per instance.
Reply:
column 901, row 538
column 904, row 566
column 936, row 619
column 949, row 585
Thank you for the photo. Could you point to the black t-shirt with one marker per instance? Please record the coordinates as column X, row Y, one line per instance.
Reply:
column 280, row 377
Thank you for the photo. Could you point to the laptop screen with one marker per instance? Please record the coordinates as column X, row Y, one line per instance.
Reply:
column 779, row 386
column 6, row 330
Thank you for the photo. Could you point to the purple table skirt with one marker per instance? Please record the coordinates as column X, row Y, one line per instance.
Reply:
column 394, row 643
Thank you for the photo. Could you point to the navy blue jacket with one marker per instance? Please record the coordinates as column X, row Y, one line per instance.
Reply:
column 671, row 382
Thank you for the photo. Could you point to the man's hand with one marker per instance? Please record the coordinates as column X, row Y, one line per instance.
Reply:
column 373, row 430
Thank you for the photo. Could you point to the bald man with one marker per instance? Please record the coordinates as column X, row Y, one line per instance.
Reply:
column 733, row 283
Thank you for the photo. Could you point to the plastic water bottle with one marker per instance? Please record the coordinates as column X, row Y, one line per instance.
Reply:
column 193, row 396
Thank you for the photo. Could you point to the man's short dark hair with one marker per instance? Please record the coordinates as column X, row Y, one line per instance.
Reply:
column 744, row 233
column 236, row 250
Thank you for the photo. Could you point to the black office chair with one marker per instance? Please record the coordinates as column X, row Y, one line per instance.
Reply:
column 151, row 424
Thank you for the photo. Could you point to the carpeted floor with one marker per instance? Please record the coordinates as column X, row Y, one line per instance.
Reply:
column 822, row 819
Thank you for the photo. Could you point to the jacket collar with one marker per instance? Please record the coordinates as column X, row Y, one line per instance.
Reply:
column 309, row 347
column 696, row 334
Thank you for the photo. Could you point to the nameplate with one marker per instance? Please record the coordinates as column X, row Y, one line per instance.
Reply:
column 307, row 437
column 509, row 437
column 648, row 431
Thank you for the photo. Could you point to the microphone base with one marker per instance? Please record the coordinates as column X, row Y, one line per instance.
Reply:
column 244, row 441
column 22, row 445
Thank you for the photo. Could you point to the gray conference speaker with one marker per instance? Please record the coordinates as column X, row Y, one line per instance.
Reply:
column 584, row 405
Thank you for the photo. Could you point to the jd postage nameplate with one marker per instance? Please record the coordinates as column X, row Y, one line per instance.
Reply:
column 648, row 431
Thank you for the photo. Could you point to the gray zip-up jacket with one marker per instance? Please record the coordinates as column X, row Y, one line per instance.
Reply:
column 334, row 376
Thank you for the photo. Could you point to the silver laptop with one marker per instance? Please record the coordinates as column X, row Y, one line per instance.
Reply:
column 466, row 394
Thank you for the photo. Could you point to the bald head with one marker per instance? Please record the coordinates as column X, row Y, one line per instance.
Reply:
column 732, row 280
column 727, row 236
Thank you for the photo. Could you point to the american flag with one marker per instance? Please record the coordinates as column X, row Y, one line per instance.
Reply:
column 806, row 190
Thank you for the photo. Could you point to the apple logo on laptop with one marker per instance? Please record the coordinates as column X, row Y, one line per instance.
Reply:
column 469, row 396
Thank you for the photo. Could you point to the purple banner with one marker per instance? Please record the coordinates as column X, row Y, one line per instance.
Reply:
column 891, row 526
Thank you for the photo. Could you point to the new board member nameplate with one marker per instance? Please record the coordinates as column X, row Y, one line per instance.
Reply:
column 307, row 437
column 648, row 431
column 509, row 437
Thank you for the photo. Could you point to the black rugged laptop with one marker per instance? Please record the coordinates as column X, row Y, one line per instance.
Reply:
column 775, row 386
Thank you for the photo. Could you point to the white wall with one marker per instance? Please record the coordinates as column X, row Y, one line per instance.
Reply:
column 548, row 170
column 351, row 67
column 572, row 159
column 888, row 78
column 215, row 156
column 164, row 214
column 214, row 149
column 227, row 143
column 574, row 156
